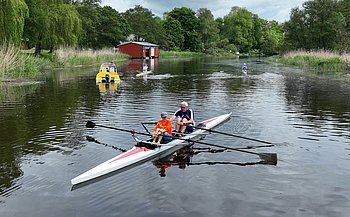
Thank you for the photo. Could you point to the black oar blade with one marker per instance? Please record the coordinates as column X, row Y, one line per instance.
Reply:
column 269, row 158
column 90, row 124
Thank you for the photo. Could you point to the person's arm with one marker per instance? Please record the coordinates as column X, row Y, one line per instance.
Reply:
column 172, row 118
column 191, row 121
column 156, row 127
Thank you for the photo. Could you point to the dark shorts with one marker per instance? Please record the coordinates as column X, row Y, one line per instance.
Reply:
column 189, row 129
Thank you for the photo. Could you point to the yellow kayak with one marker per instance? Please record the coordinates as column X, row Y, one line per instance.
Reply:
column 143, row 73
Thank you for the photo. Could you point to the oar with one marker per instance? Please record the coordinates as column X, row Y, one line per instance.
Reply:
column 92, row 139
column 91, row 124
column 270, row 158
column 228, row 134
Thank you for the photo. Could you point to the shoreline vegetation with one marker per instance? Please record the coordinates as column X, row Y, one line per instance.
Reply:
column 22, row 64
column 320, row 60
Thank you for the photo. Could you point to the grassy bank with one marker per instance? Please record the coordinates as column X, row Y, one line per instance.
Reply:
column 17, row 64
column 68, row 57
column 171, row 54
column 324, row 61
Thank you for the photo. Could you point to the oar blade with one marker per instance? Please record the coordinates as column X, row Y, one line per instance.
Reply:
column 90, row 124
column 269, row 158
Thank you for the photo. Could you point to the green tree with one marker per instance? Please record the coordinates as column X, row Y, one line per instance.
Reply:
column 208, row 30
column 89, row 19
column 51, row 23
column 320, row 25
column 143, row 23
column 12, row 16
column 112, row 27
column 272, row 38
column 296, row 31
column 238, row 28
column 62, row 30
column 189, row 25
column 173, row 34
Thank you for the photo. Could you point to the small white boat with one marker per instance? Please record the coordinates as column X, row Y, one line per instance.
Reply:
column 138, row 155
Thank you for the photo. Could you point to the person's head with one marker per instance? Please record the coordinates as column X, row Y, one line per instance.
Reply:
column 164, row 115
column 184, row 106
column 244, row 64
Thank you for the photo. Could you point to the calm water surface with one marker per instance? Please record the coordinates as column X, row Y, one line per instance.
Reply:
column 43, row 142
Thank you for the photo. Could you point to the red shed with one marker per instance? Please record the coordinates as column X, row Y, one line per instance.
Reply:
column 139, row 49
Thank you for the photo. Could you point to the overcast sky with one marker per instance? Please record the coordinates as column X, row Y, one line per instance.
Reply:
column 278, row 10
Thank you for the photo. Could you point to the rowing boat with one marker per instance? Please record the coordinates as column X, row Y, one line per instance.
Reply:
column 138, row 155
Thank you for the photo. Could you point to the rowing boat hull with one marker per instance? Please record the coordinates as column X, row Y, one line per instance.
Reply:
column 138, row 155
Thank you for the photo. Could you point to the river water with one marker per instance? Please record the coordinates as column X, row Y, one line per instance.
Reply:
column 43, row 142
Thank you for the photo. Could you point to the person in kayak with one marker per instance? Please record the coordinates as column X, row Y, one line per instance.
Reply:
column 163, row 129
column 185, row 119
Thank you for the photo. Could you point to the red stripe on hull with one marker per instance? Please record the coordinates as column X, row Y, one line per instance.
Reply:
column 135, row 151
column 210, row 120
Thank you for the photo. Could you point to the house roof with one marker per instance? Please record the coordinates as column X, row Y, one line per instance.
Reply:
column 139, row 43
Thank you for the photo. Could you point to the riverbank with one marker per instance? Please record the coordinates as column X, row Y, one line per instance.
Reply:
column 322, row 61
column 183, row 54
column 22, row 64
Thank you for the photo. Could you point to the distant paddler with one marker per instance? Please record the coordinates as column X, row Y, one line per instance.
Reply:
column 144, row 71
column 244, row 69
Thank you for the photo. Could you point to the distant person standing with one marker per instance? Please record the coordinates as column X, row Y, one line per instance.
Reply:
column 144, row 68
column 244, row 69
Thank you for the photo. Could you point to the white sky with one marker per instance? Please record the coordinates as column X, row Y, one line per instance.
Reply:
column 278, row 10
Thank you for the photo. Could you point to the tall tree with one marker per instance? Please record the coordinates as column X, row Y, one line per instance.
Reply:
column 89, row 19
column 142, row 22
column 208, row 30
column 113, row 27
column 173, row 34
column 321, row 17
column 296, row 30
column 272, row 38
column 62, row 30
column 238, row 28
column 319, row 25
column 51, row 23
column 189, row 25
column 12, row 15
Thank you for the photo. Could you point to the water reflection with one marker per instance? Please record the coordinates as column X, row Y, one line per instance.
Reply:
column 108, row 88
column 184, row 158
column 322, row 102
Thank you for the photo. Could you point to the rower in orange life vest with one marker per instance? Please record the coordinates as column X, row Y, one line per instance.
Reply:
column 163, row 130
column 185, row 118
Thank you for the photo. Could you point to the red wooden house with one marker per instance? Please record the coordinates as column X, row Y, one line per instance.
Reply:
column 139, row 49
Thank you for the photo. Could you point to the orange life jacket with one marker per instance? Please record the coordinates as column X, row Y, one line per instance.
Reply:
column 161, row 124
